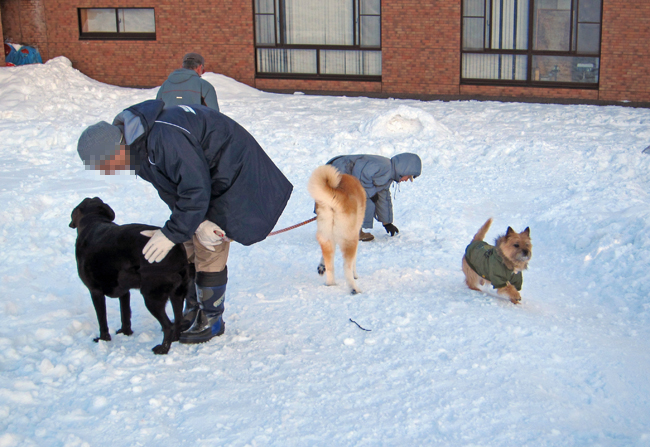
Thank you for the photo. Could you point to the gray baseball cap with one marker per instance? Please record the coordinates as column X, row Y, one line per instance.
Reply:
column 194, row 59
column 98, row 143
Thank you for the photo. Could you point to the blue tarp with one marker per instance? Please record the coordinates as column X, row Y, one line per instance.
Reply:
column 23, row 56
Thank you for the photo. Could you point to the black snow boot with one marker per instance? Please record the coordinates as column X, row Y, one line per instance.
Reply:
column 191, row 302
column 208, row 323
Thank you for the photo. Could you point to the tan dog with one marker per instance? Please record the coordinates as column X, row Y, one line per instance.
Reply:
column 501, row 265
column 340, row 207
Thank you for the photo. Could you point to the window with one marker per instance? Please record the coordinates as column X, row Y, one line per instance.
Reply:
column 117, row 23
column 318, row 38
column 531, row 42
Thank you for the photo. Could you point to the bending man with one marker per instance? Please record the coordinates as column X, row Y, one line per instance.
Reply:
column 213, row 175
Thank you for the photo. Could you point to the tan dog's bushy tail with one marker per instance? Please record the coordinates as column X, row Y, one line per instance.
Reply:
column 323, row 185
column 480, row 234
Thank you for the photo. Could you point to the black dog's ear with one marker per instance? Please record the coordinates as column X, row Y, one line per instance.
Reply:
column 107, row 211
column 94, row 205
column 101, row 207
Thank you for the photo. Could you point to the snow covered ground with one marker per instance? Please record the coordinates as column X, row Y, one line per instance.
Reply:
column 441, row 364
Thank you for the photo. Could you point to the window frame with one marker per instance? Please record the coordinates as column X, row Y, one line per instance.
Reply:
column 530, row 53
column 280, row 44
column 116, row 35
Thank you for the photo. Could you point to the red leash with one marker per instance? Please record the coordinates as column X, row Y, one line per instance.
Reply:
column 273, row 233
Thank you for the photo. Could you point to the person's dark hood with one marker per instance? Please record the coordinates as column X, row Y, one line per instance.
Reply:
column 182, row 75
column 406, row 164
column 135, row 124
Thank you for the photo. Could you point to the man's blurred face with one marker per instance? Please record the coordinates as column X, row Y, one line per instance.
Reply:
column 119, row 162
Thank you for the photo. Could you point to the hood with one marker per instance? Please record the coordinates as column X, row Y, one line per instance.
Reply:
column 135, row 124
column 181, row 75
column 406, row 164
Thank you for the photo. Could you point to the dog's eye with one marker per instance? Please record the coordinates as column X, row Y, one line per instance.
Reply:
column 516, row 245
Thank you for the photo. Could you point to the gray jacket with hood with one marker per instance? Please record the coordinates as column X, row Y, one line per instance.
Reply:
column 377, row 174
column 185, row 87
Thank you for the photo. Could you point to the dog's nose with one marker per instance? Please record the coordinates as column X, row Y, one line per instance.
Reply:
column 525, row 253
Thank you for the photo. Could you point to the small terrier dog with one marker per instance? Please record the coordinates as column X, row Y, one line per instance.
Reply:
column 500, row 265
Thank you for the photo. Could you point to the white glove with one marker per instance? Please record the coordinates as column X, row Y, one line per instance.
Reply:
column 209, row 234
column 157, row 247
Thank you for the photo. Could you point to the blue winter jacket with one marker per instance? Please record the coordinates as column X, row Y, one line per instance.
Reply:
column 205, row 166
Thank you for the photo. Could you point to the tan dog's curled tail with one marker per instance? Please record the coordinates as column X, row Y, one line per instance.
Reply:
column 323, row 185
column 480, row 234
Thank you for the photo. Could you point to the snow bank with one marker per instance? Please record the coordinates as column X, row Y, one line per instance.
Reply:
column 441, row 364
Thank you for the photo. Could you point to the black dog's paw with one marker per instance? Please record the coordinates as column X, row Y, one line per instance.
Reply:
column 321, row 269
column 124, row 331
column 160, row 349
column 105, row 337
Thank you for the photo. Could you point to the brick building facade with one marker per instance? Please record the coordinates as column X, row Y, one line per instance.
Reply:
column 420, row 48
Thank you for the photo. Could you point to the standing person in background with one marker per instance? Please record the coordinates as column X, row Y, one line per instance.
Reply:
column 377, row 174
column 185, row 86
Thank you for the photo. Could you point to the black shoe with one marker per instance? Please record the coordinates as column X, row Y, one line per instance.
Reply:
column 189, row 315
column 203, row 329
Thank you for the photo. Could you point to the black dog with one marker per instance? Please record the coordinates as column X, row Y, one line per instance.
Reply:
column 110, row 263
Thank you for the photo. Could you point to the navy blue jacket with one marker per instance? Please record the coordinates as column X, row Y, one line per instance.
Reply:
column 205, row 166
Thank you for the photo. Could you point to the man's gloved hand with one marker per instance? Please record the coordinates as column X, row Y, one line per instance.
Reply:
column 392, row 229
column 209, row 234
column 157, row 247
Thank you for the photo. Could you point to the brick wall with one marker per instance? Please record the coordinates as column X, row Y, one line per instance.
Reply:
column 24, row 22
column 625, row 51
column 221, row 30
column 420, row 46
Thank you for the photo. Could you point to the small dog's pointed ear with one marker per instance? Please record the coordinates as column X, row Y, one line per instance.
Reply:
column 526, row 231
column 509, row 231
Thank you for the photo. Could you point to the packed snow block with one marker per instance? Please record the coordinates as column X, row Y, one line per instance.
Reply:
column 24, row 55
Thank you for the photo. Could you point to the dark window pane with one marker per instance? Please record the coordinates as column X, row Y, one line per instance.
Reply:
column 370, row 7
column 494, row 66
column 589, row 11
column 509, row 28
column 344, row 62
column 318, row 22
column 565, row 69
column 98, row 21
column 264, row 29
column 588, row 38
column 271, row 60
column 370, row 31
column 264, row 7
column 137, row 20
column 473, row 34
column 475, row 8
column 552, row 30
